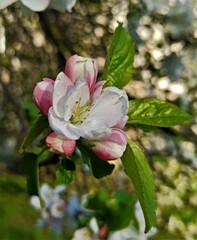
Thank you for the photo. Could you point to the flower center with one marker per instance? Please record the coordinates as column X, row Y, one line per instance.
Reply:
column 80, row 113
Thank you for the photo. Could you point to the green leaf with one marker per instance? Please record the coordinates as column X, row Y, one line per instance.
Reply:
column 156, row 112
column 99, row 168
column 118, row 66
column 31, row 171
column 64, row 176
column 98, row 202
column 39, row 126
column 121, row 207
column 108, row 209
column 139, row 172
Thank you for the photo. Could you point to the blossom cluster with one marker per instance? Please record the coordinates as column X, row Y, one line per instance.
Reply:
column 57, row 212
column 78, row 107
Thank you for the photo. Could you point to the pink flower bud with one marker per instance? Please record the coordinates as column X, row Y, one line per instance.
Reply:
column 80, row 67
column 42, row 95
column 111, row 147
column 59, row 144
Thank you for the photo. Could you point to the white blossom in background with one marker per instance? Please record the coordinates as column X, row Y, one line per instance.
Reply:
column 51, row 195
column 41, row 5
column 90, row 232
column 2, row 39
column 58, row 213
column 53, row 211
column 130, row 232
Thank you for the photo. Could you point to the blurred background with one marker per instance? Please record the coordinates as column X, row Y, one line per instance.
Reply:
column 36, row 45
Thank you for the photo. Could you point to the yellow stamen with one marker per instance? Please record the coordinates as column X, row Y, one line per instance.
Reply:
column 80, row 113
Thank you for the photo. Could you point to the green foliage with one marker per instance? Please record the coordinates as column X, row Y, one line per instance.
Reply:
column 39, row 126
column 18, row 218
column 31, row 170
column 155, row 112
column 99, row 168
column 118, row 66
column 31, row 111
column 66, row 171
column 139, row 172
column 116, row 211
column 121, row 208
column 98, row 201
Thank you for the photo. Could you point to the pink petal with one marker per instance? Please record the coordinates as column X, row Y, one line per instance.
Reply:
column 111, row 147
column 69, row 68
column 49, row 80
column 68, row 147
column 91, row 73
column 42, row 95
column 98, row 89
column 55, row 142
column 59, row 144
column 80, row 67
column 122, row 123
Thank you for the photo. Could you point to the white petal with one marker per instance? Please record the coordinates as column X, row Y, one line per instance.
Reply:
column 94, row 130
column 35, row 202
column 62, row 5
column 6, row 3
column 36, row 5
column 61, row 87
column 79, row 93
column 60, row 188
column 94, row 225
column 110, row 107
column 46, row 193
column 60, row 126
column 69, row 4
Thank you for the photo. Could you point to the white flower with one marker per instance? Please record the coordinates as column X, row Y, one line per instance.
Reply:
column 48, row 194
column 75, row 114
column 41, row 5
column 51, row 195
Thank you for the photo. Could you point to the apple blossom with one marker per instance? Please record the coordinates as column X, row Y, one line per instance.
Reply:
column 79, row 107
column 60, row 145
column 42, row 95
